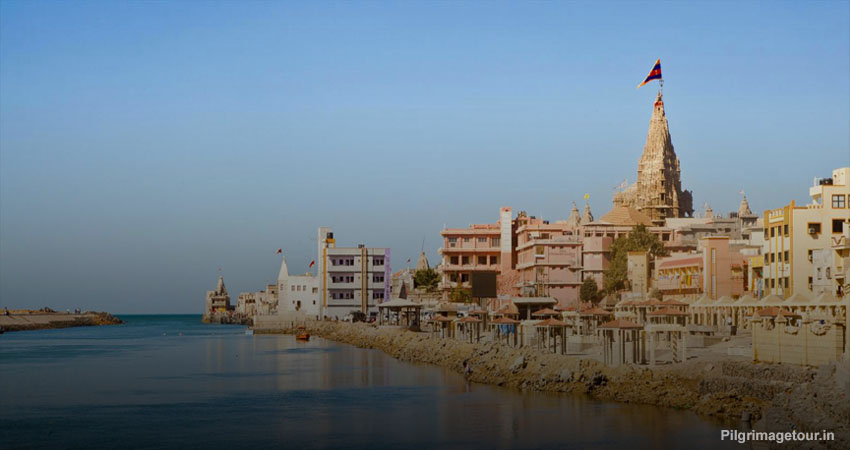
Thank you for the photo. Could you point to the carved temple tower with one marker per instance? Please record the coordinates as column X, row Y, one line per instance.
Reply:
column 658, row 191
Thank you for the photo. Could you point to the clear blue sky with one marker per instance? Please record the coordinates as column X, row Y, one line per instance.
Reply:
column 145, row 144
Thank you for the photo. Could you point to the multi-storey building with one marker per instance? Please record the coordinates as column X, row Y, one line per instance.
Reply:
column 715, row 270
column 481, row 247
column 792, row 233
column 351, row 278
column 549, row 259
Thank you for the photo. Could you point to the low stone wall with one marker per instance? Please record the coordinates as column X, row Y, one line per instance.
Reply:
column 781, row 396
column 810, row 344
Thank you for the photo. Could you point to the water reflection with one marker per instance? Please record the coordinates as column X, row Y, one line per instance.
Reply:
column 214, row 387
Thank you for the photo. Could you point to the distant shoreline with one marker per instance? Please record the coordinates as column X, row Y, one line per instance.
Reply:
column 38, row 320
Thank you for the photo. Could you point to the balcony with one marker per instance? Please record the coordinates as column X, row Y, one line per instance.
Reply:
column 469, row 267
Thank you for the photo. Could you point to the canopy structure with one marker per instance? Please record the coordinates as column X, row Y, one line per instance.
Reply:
column 546, row 312
column 590, row 318
column 471, row 328
column 554, row 332
column 400, row 312
column 442, row 324
column 506, row 327
column 621, row 342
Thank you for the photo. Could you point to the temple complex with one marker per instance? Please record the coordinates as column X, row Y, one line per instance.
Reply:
column 658, row 191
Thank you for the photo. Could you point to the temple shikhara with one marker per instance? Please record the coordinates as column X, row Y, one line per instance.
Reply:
column 658, row 191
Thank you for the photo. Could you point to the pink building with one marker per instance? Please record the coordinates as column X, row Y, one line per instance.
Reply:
column 549, row 259
column 598, row 236
column 480, row 247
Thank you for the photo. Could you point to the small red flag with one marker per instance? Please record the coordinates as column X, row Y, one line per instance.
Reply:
column 279, row 251
column 312, row 262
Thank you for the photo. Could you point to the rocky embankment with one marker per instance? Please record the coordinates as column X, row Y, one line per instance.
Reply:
column 774, row 397
column 39, row 320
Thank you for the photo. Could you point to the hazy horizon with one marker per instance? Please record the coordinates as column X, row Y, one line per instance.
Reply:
column 145, row 145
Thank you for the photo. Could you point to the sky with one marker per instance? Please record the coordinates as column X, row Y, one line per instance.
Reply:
column 145, row 145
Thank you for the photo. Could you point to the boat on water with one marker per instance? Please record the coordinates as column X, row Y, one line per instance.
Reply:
column 249, row 332
column 302, row 334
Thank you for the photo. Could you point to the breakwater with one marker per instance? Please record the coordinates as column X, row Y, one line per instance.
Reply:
column 774, row 397
column 40, row 320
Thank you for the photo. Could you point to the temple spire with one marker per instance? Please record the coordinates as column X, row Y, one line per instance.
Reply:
column 574, row 220
column 284, row 271
column 587, row 216
column 744, row 207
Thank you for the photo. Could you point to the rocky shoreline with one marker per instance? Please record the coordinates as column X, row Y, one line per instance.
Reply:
column 41, row 321
column 772, row 397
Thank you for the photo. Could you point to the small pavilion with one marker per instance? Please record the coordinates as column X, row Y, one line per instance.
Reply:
column 470, row 327
column 442, row 324
column 554, row 332
column 590, row 319
column 621, row 342
column 505, row 327
column 399, row 312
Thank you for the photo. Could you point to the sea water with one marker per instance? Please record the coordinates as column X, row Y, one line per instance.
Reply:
column 173, row 382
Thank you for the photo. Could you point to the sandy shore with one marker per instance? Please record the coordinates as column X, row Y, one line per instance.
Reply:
column 776, row 397
column 24, row 321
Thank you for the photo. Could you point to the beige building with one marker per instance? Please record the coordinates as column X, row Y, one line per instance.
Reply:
column 792, row 234
column 638, row 270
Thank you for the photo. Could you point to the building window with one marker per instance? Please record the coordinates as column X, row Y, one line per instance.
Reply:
column 464, row 277
column 773, row 257
column 810, row 283
column 786, row 256
column 813, row 228
column 779, row 256
column 464, row 260
column 837, row 225
column 378, row 261
column 466, row 239
column 810, row 256
column 453, row 278
column 377, row 278
column 494, row 260
column 539, row 250
column 785, row 230
column 482, row 260
column 772, row 231
column 452, row 241
column 377, row 295
column 838, row 202
column 494, row 242
column 453, row 260
column 482, row 240
column 786, row 282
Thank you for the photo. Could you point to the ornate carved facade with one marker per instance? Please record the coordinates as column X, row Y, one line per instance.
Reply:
column 658, row 191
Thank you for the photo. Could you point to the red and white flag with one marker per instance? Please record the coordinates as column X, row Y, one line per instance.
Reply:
column 311, row 263
column 279, row 251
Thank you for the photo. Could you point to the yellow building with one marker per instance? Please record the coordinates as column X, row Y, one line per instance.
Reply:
column 792, row 233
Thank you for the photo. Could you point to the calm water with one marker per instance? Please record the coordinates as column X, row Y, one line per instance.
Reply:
column 144, row 385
